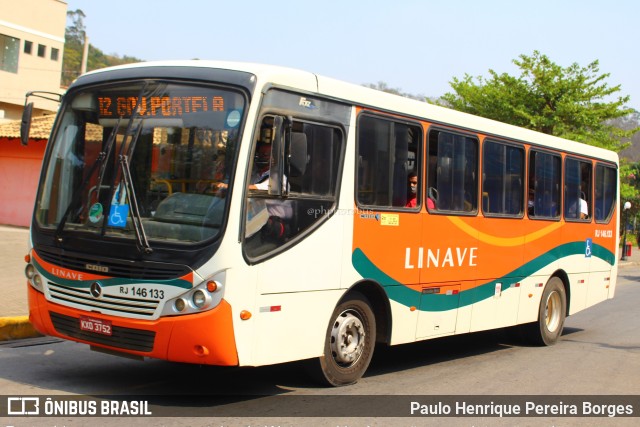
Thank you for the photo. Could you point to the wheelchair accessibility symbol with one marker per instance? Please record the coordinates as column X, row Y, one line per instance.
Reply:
column 118, row 216
column 587, row 249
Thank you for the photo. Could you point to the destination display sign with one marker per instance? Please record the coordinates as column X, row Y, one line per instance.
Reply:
column 113, row 106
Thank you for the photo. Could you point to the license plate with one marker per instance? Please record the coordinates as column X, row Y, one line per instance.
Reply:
column 98, row 326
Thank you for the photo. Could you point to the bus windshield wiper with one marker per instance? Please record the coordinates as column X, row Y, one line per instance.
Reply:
column 107, row 154
column 136, row 218
column 131, row 136
column 101, row 160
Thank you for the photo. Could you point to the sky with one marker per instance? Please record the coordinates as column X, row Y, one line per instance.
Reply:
column 416, row 46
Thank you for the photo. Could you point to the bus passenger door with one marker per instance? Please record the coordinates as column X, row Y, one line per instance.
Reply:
column 501, row 235
column 448, row 269
column 438, row 310
column 498, row 290
column 449, row 255
column 387, row 218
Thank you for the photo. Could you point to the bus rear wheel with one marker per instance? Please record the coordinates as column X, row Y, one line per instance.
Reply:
column 551, row 314
column 349, row 342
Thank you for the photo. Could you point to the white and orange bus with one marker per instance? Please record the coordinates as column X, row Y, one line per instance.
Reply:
column 245, row 215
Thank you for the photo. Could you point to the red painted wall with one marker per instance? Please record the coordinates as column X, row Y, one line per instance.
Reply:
column 19, row 175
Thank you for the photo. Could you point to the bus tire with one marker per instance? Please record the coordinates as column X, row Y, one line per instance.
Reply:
column 551, row 314
column 349, row 342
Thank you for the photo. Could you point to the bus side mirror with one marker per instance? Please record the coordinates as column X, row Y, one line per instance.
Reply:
column 25, row 124
column 27, row 113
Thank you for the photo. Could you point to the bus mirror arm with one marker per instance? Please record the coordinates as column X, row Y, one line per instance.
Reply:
column 27, row 113
column 277, row 181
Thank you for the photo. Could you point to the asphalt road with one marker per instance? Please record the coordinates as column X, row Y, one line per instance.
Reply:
column 598, row 355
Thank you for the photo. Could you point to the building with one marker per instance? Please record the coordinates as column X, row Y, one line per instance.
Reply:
column 31, row 48
column 20, row 169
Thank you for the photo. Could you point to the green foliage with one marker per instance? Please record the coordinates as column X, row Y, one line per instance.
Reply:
column 384, row 87
column 567, row 102
column 74, row 48
column 630, row 187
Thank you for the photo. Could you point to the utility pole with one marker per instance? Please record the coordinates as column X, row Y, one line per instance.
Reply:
column 85, row 55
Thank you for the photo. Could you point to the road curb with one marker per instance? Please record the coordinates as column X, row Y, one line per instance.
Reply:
column 14, row 328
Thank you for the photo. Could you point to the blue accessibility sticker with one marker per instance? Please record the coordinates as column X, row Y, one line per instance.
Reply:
column 587, row 249
column 118, row 216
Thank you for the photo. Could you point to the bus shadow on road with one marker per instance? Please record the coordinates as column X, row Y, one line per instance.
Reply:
column 440, row 350
column 629, row 278
column 248, row 384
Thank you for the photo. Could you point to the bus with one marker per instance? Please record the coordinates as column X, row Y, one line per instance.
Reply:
column 240, row 214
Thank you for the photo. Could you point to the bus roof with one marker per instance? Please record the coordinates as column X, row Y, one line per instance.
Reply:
column 381, row 101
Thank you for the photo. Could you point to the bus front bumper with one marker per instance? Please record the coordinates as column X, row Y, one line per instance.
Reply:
column 203, row 338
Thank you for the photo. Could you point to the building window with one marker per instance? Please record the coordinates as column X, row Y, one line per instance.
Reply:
column 54, row 54
column 28, row 47
column 9, row 47
column 42, row 50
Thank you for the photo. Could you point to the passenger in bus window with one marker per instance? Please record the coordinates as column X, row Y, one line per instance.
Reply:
column 578, row 209
column 412, row 199
column 531, row 202
column 276, row 207
column 260, row 175
column 432, row 198
column 277, row 222
column 584, row 209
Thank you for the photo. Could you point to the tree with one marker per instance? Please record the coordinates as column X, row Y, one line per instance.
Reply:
column 632, row 121
column 73, row 47
column 567, row 102
column 74, row 37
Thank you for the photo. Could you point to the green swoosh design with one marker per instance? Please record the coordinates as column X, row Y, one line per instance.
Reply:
column 396, row 291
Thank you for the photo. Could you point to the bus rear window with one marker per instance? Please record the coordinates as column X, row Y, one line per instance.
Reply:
column 605, row 193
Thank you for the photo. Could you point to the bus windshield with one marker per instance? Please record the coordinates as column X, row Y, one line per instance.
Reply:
column 141, row 161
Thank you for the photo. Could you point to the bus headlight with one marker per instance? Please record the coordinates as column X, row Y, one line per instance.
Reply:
column 204, row 296
column 37, row 282
column 199, row 298
column 180, row 305
column 30, row 271
column 34, row 278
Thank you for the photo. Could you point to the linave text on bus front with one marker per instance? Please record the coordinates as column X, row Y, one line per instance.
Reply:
column 440, row 258
column 66, row 274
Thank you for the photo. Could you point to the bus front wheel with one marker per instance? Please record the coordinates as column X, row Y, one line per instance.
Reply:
column 349, row 342
column 551, row 314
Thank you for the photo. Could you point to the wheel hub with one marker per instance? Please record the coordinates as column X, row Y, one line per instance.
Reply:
column 552, row 311
column 347, row 338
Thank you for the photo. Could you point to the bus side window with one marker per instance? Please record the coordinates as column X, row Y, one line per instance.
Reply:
column 502, row 179
column 388, row 157
column 577, row 189
column 544, row 185
column 605, row 193
column 311, row 163
column 453, row 172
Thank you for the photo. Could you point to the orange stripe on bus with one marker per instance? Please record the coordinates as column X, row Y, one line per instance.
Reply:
column 504, row 241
